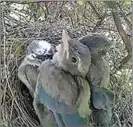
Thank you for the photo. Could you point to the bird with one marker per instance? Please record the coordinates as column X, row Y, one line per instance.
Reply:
column 61, row 86
column 98, row 43
column 102, row 99
column 97, row 76
column 36, row 52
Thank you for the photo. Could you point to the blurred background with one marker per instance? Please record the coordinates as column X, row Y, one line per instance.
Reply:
column 22, row 22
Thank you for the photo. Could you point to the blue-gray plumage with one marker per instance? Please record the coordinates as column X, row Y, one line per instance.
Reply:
column 102, row 99
column 37, row 52
column 65, row 115
column 98, row 76
column 57, row 88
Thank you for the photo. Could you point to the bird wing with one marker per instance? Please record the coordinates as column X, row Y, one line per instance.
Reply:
column 22, row 75
column 31, row 75
column 28, row 75
column 53, row 104
column 102, row 98
column 65, row 115
column 98, row 99
column 84, row 97
column 110, row 96
column 102, row 118
column 98, row 74
column 58, row 84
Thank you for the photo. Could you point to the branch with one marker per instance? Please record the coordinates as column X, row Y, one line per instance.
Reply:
column 58, row 12
column 47, row 10
column 25, row 2
column 124, row 61
column 124, row 36
column 125, row 17
column 121, row 31
column 118, row 120
column 101, row 18
column 94, row 9
column 128, row 14
column 99, row 23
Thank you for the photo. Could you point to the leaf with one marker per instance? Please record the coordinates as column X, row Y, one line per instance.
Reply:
column 19, row 52
column 127, row 3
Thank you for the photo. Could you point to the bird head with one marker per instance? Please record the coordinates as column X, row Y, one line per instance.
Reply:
column 97, row 43
column 38, row 51
column 73, row 56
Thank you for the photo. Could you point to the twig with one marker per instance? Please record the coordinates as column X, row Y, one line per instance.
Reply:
column 99, row 22
column 94, row 9
column 125, row 17
column 47, row 11
column 118, row 120
column 124, row 61
column 101, row 18
column 15, row 103
column 25, row 2
column 130, row 13
column 112, row 5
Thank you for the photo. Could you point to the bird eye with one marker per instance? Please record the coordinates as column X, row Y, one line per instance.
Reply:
column 74, row 59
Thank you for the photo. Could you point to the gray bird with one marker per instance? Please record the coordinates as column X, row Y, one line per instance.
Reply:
column 99, row 71
column 37, row 52
column 61, row 85
column 102, row 99
column 98, row 75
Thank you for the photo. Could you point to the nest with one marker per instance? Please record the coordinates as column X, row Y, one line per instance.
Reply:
column 17, row 109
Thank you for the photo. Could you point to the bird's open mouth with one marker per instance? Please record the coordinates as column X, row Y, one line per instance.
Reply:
column 44, row 57
column 36, row 60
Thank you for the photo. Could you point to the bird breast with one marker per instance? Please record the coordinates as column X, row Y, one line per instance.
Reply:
column 57, row 83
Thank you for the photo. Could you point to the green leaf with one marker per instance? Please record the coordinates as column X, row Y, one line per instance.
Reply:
column 127, row 3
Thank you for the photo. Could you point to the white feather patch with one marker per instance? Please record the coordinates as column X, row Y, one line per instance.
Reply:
column 43, row 47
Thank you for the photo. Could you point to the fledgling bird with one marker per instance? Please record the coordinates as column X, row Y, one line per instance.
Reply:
column 102, row 99
column 99, row 70
column 61, row 85
column 37, row 52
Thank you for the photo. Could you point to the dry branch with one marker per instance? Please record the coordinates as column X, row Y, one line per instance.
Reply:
column 126, row 40
column 94, row 9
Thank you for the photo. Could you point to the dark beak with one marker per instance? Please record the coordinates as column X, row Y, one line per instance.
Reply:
column 44, row 57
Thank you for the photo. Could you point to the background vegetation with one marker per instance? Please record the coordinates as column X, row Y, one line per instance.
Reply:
column 24, row 21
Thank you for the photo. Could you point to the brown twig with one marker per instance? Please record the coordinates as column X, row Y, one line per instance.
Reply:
column 94, row 9
column 117, row 20
column 25, row 2
column 118, row 120
column 100, row 17
column 125, row 17
column 121, row 31
column 47, row 11
column 124, row 61
column 58, row 12
column 99, row 23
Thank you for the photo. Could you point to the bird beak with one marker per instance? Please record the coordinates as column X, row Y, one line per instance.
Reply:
column 65, row 39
